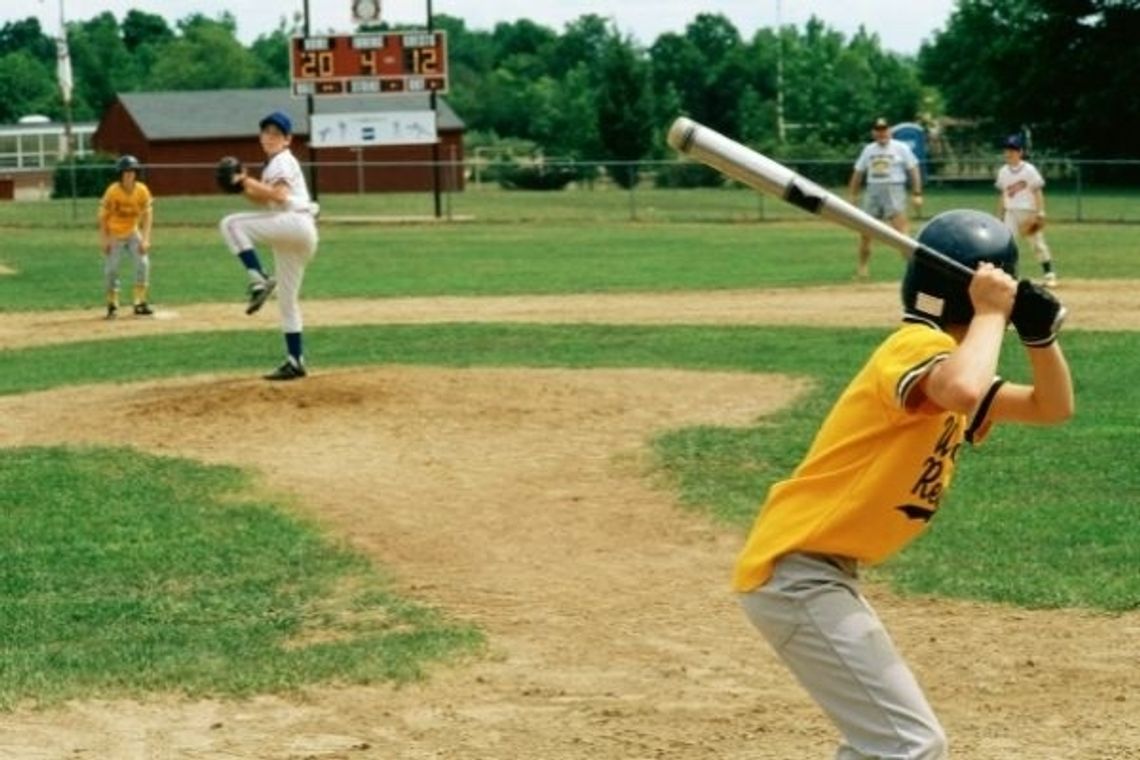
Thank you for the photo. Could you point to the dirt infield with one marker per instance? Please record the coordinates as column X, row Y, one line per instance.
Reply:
column 1093, row 305
column 518, row 499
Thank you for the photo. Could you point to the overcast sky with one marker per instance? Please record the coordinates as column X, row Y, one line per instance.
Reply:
column 901, row 26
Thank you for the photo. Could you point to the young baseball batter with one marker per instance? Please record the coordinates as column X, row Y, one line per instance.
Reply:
column 877, row 473
column 288, row 226
column 1021, row 203
column 126, row 217
column 884, row 165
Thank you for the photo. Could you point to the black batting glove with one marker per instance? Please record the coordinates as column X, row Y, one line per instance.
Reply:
column 1037, row 315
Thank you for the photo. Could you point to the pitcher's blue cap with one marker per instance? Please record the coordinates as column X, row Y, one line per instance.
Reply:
column 1013, row 142
column 278, row 119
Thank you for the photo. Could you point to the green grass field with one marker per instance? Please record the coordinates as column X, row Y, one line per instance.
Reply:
column 107, row 594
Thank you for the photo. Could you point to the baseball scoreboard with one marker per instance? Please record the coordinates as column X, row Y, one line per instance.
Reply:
column 369, row 63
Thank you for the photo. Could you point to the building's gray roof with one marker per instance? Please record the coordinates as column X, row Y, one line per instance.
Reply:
column 212, row 114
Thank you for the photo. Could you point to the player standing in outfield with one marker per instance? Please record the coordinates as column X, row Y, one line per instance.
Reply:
column 288, row 226
column 877, row 473
column 1021, row 203
column 126, row 216
column 884, row 165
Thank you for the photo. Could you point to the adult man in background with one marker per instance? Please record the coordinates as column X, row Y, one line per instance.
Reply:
column 883, row 167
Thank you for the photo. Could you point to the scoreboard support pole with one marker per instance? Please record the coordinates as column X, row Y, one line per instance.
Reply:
column 313, row 187
column 434, row 145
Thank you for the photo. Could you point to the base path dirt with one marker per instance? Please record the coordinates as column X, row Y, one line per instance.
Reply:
column 1092, row 304
column 519, row 500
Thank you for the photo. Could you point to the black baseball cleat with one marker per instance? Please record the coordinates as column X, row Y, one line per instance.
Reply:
column 287, row 371
column 259, row 293
column 143, row 310
column 112, row 311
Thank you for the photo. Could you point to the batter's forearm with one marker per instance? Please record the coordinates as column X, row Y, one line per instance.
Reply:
column 959, row 383
column 1052, row 384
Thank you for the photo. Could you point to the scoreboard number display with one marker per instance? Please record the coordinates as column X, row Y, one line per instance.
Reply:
column 371, row 63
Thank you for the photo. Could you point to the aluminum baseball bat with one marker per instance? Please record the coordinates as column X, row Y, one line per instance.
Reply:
column 762, row 173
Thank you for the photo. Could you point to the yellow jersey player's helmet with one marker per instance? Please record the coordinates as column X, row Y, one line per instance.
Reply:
column 127, row 163
column 967, row 236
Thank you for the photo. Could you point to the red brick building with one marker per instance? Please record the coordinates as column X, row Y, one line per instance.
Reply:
column 179, row 136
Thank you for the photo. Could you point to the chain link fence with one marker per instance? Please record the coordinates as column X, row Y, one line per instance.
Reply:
column 672, row 191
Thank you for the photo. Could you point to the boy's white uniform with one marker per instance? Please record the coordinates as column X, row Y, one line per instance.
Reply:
column 289, row 229
column 1020, row 186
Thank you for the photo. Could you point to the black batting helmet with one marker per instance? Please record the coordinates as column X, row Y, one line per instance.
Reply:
column 969, row 237
column 127, row 163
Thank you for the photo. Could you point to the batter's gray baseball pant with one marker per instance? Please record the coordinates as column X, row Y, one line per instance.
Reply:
column 813, row 615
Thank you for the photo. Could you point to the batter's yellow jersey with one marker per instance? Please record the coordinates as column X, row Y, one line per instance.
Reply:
column 876, row 472
column 121, row 210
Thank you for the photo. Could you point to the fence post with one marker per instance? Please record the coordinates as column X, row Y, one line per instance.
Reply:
column 453, row 180
column 1080, row 210
column 630, row 170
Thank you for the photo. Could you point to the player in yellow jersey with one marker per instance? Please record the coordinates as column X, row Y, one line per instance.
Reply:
column 877, row 473
column 126, row 216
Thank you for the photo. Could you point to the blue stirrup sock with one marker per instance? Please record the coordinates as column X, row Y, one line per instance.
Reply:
column 293, row 346
column 249, row 258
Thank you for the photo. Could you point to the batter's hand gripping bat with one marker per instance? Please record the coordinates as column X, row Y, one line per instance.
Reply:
column 762, row 173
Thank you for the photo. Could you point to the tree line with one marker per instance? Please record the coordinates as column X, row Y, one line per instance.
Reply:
column 1066, row 70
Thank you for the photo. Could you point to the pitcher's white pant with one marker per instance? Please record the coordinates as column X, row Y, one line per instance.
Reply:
column 292, row 236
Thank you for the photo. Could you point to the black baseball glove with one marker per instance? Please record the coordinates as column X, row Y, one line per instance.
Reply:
column 226, row 173
column 1037, row 315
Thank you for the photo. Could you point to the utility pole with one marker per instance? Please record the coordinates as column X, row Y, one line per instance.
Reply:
column 781, row 130
column 66, row 83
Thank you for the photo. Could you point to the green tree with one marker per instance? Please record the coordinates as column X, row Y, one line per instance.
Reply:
column 141, row 28
column 101, row 64
column 1058, row 66
column 566, row 118
column 676, row 76
column 625, row 128
column 833, row 86
column 272, row 51
column 523, row 47
column 471, row 59
column 27, row 36
column 27, row 86
column 581, row 44
column 207, row 55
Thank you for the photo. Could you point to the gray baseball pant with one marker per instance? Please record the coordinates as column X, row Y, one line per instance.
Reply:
column 813, row 615
column 131, row 244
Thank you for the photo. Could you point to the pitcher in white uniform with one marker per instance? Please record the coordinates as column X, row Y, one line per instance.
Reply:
column 287, row 226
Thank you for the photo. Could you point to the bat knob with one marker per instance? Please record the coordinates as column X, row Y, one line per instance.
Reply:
column 680, row 136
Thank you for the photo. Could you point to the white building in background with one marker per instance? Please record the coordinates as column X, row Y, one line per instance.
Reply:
column 29, row 152
column 37, row 142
